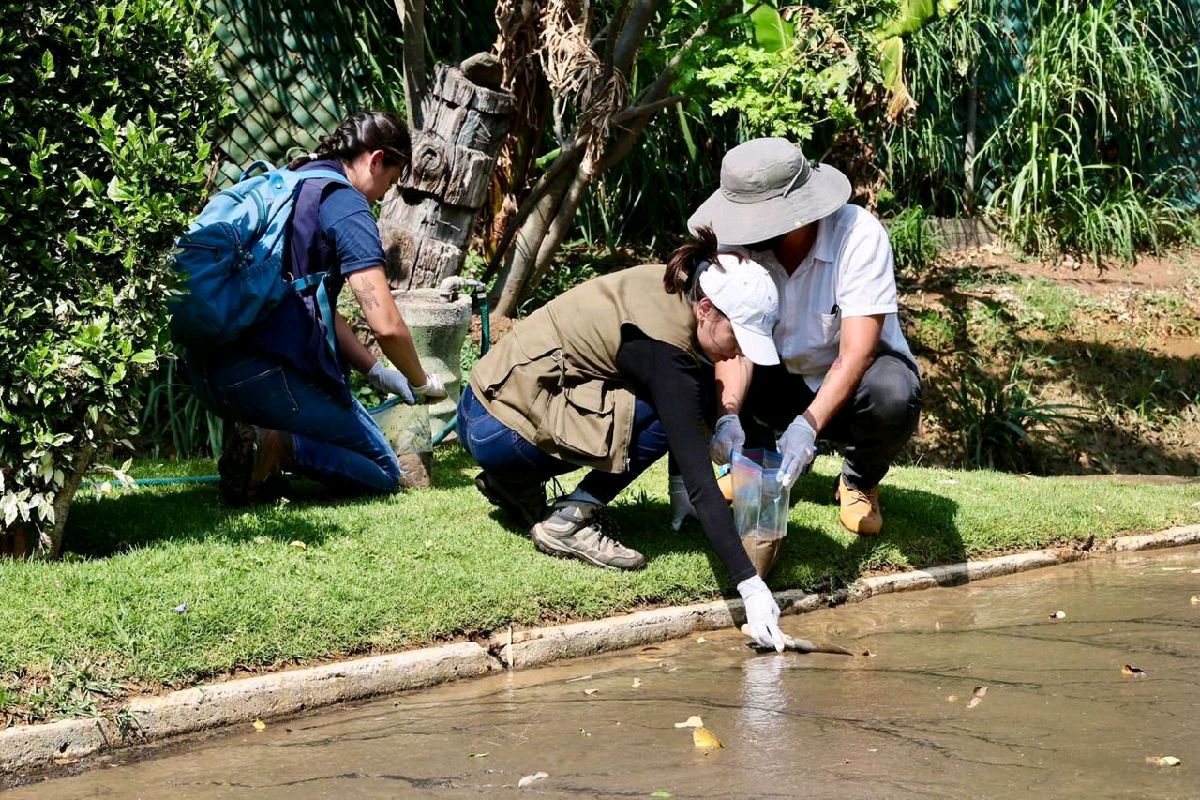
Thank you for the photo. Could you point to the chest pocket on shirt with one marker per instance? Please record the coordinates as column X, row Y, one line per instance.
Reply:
column 829, row 328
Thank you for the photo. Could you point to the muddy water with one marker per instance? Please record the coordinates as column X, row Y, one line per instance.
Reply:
column 1059, row 717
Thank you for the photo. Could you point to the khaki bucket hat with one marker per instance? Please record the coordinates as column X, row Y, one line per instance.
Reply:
column 769, row 188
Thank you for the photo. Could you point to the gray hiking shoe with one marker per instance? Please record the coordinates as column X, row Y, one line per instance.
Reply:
column 571, row 532
column 526, row 504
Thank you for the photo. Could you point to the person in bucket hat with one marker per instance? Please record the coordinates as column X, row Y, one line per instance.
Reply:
column 846, row 372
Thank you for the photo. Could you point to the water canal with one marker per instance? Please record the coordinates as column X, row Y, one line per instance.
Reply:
column 1059, row 717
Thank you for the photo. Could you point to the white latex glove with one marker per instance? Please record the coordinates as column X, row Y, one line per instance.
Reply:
column 727, row 437
column 391, row 381
column 798, row 446
column 433, row 389
column 762, row 613
column 681, row 506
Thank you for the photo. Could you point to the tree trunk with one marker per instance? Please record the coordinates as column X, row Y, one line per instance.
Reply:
column 523, row 255
column 426, row 223
column 564, row 218
column 542, row 225
column 412, row 19
column 969, row 144
column 24, row 540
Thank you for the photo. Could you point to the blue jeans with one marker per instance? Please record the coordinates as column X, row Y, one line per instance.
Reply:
column 511, row 460
column 333, row 442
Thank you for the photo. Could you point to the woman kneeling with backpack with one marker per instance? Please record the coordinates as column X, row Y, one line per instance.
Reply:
column 611, row 375
column 283, row 381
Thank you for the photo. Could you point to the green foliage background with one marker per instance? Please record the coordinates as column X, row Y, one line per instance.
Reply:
column 104, row 148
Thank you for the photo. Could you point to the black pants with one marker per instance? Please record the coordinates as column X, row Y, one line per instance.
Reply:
column 872, row 427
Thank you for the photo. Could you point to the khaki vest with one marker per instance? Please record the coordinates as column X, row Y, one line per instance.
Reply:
column 553, row 379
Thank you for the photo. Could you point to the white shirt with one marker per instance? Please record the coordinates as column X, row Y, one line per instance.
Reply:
column 847, row 273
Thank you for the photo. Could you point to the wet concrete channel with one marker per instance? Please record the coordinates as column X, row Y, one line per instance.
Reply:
column 1059, row 718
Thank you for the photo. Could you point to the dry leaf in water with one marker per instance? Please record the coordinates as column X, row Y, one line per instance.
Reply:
column 580, row 678
column 1195, row 600
column 977, row 696
column 528, row 779
column 1136, row 672
column 1163, row 761
column 637, row 682
column 590, row 692
column 259, row 725
column 868, row 654
column 705, row 739
column 1059, row 615
column 690, row 722
column 299, row 545
column 478, row 755
column 701, row 640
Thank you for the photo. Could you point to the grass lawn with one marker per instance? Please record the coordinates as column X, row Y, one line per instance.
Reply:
column 414, row 568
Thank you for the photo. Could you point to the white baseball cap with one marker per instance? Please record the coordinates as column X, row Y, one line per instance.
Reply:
column 743, row 290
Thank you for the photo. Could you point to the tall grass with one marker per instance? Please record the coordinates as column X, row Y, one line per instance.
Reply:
column 960, row 71
column 1083, row 160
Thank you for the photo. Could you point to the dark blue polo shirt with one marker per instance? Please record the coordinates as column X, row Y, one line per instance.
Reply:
column 342, row 239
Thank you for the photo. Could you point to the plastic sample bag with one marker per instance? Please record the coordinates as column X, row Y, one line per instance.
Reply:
column 760, row 505
column 407, row 431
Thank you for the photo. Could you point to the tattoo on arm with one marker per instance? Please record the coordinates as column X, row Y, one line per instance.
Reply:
column 364, row 290
column 837, row 364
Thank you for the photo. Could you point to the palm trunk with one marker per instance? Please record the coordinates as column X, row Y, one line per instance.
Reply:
column 527, row 246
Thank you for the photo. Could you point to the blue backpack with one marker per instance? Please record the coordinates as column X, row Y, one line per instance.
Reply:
column 232, row 259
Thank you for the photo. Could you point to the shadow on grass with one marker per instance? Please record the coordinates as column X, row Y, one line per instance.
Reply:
column 919, row 532
column 101, row 526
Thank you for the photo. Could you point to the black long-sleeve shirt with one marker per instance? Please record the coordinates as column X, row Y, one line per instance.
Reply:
column 671, row 381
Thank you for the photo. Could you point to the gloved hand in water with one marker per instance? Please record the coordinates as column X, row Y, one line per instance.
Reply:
column 798, row 446
column 681, row 506
column 727, row 437
column 433, row 389
column 762, row 613
column 391, row 381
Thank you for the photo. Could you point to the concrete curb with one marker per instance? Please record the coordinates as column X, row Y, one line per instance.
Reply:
column 279, row 694
column 967, row 571
column 245, row 700
column 538, row 646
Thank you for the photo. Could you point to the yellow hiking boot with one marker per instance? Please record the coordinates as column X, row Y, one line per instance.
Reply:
column 860, row 510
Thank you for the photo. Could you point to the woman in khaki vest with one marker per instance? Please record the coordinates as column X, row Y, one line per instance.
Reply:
column 612, row 375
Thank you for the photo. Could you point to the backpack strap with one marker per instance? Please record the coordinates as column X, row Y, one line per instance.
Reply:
column 324, row 307
column 305, row 230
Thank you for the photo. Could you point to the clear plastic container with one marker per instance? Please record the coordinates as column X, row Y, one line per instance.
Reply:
column 407, row 431
column 760, row 505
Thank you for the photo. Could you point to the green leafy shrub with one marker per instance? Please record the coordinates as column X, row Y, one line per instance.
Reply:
column 796, row 75
column 104, row 134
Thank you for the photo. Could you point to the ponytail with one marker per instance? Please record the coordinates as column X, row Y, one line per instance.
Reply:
column 361, row 133
column 687, row 262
